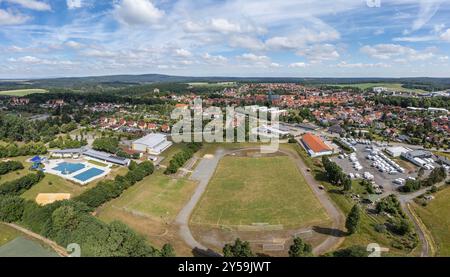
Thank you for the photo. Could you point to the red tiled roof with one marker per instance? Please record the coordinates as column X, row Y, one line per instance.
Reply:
column 315, row 143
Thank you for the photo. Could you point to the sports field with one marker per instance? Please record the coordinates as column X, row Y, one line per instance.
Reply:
column 437, row 220
column 258, row 190
column 22, row 92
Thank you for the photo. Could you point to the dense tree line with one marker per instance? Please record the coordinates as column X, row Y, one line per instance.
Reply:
column 15, row 128
column 425, row 102
column 299, row 248
column 13, row 150
column 107, row 144
column 179, row 159
column 19, row 186
column 6, row 167
column 107, row 190
column 238, row 249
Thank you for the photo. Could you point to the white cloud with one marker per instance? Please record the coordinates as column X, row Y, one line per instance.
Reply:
column 214, row 59
column 38, row 61
column 298, row 65
column 31, row 4
column 397, row 52
column 445, row 35
column 320, row 52
column 10, row 18
column 254, row 58
column 360, row 65
column 415, row 39
column 247, row 42
column 73, row 44
column 74, row 4
column 183, row 53
column 224, row 26
column 137, row 12
column 98, row 53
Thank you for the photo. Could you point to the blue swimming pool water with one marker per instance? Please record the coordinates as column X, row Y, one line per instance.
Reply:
column 69, row 168
column 88, row 174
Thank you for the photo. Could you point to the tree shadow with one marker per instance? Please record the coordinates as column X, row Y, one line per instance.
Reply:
column 329, row 231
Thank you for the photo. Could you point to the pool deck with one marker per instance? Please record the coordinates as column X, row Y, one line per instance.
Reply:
column 51, row 164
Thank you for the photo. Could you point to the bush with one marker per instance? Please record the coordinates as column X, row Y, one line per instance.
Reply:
column 17, row 187
column 6, row 167
column 11, row 208
column 179, row 159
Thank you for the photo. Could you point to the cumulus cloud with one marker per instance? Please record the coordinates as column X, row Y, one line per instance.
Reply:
column 74, row 4
column 73, row 44
column 137, row 12
column 298, row 65
column 361, row 65
column 38, row 61
column 10, row 18
column 183, row 53
column 445, row 35
column 396, row 52
column 319, row 53
column 214, row 59
column 31, row 4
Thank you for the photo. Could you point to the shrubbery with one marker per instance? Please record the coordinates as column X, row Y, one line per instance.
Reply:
column 19, row 186
column 6, row 167
column 107, row 144
column 182, row 157
column 12, row 150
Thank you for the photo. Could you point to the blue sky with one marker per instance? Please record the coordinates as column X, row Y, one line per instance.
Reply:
column 297, row 38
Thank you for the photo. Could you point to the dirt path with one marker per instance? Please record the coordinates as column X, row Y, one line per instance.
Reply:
column 58, row 249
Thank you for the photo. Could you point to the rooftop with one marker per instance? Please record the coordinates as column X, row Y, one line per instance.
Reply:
column 151, row 140
column 315, row 143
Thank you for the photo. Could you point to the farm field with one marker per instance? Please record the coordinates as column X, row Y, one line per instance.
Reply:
column 436, row 218
column 22, row 92
column 247, row 190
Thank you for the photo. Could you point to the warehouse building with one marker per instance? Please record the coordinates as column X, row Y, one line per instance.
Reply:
column 418, row 157
column 397, row 151
column 315, row 145
column 153, row 144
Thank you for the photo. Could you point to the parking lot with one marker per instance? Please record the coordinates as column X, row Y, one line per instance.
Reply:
column 385, row 179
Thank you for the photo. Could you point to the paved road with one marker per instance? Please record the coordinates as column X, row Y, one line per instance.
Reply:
column 204, row 172
column 58, row 249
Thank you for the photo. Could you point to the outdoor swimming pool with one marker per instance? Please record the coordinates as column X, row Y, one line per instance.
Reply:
column 69, row 168
column 88, row 174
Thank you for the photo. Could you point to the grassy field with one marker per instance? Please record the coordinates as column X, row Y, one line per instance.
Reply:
column 436, row 217
column 97, row 163
column 157, row 196
column 392, row 86
column 251, row 190
column 22, row 92
column 149, row 208
column 7, row 234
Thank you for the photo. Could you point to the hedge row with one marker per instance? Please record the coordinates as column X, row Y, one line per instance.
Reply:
column 179, row 159
column 19, row 186
column 6, row 167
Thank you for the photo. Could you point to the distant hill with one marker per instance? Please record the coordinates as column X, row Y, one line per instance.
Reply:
column 128, row 80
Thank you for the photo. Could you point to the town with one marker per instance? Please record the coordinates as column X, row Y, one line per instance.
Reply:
column 379, row 153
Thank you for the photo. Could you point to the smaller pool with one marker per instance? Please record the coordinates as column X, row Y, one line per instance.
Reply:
column 88, row 174
column 69, row 168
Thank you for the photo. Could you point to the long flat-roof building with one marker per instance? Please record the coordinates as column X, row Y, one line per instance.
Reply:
column 153, row 144
column 99, row 155
column 315, row 145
